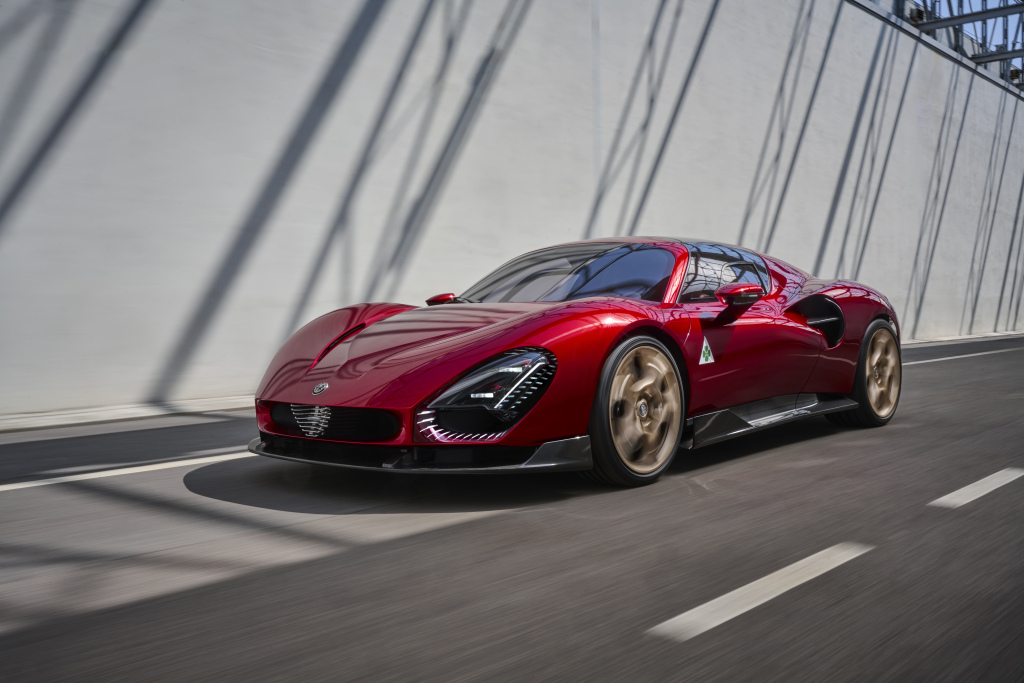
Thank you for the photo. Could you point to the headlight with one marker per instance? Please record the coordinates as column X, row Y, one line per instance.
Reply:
column 485, row 403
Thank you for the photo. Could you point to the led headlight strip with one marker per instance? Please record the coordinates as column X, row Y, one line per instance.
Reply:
column 487, row 402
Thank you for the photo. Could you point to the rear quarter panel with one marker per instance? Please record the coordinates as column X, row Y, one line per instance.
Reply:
column 834, row 373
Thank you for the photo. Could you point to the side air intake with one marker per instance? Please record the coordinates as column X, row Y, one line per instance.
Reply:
column 824, row 315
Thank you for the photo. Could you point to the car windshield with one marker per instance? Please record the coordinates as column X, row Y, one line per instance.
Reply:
column 577, row 271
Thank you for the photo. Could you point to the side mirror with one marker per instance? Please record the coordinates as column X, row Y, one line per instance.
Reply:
column 441, row 299
column 738, row 294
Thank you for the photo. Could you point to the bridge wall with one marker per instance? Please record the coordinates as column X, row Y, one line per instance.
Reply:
column 183, row 184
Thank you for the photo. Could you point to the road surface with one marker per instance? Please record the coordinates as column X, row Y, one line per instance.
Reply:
column 158, row 550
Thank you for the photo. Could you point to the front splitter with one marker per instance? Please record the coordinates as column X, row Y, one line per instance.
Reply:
column 563, row 455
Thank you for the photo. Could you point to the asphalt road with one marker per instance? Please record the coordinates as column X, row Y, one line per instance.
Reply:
column 806, row 552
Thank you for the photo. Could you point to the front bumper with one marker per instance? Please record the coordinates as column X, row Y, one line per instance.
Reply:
column 553, row 456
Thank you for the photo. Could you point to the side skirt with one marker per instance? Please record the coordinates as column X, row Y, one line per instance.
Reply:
column 743, row 419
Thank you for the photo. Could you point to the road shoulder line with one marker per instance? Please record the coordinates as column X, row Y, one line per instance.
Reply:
column 120, row 471
column 966, row 355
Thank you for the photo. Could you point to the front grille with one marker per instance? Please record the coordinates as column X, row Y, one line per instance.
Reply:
column 312, row 420
column 359, row 425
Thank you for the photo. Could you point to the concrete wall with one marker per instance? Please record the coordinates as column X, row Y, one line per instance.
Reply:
column 182, row 184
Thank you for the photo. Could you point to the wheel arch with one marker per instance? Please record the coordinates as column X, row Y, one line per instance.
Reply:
column 670, row 343
column 884, row 315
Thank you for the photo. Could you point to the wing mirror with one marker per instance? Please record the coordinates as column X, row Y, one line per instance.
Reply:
column 441, row 299
column 737, row 294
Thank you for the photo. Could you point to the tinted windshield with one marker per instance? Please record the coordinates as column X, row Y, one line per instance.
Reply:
column 576, row 271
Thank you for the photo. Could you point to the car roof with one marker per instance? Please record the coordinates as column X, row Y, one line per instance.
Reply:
column 655, row 240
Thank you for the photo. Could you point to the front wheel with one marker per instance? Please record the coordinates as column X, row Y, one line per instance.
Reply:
column 876, row 387
column 637, row 416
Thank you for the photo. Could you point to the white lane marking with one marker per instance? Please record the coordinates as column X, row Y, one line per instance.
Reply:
column 966, row 355
column 731, row 605
column 123, row 470
column 978, row 489
column 115, row 465
column 216, row 451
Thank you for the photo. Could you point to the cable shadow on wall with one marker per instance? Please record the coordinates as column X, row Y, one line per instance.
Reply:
column 987, row 217
column 673, row 117
column 851, row 145
column 934, row 210
column 1015, row 238
column 451, row 34
column 1018, row 285
column 616, row 160
column 77, row 98
column 11, row 28
column 766, row 238
column 339, row 226
column 267, row 198
column 26, row 85
column 399, row 239
column 654, row 84
column 865, row 231
column 765, row 177
column 868, row 193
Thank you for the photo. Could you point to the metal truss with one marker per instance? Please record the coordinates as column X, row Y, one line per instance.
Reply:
column 985, row 35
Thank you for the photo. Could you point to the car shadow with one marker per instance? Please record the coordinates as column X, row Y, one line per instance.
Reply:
column 295, row 487
column 753, row 445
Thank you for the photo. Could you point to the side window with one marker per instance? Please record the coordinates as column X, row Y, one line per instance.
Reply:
column 766, row 279
column 712, row 265
column 760, row 267
column 741, row 271
column 703, row 276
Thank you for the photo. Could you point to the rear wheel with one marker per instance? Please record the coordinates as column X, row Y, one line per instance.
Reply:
column 876, row 388
column 637, row 415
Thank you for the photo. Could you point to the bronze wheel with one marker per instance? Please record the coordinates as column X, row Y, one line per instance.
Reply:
column 876, row 386
column 645, row 409
column 882, row 372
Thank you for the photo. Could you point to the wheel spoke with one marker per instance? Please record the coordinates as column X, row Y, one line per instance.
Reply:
column 641, row 385
column 882, row 380
column 629, row 430
column 874, row 393
column 645, row 384
column 875, row 355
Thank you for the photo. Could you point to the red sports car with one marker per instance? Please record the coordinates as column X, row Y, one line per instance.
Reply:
column 607, row 356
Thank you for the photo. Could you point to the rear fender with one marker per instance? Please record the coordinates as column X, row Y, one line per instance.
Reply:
column 836, row 367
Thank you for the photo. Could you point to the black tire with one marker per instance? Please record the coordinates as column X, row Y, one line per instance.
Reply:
column 869, row 413
column 658, row 413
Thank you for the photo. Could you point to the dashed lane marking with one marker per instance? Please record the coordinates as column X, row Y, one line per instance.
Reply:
column 966, row 355
column 123, row 470
column 731, row 605
column 978, row 489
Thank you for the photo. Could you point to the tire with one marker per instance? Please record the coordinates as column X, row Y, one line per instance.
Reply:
column 636, row 420
column 877, row 384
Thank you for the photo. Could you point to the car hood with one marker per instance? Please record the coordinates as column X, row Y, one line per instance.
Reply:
column 396, row 361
